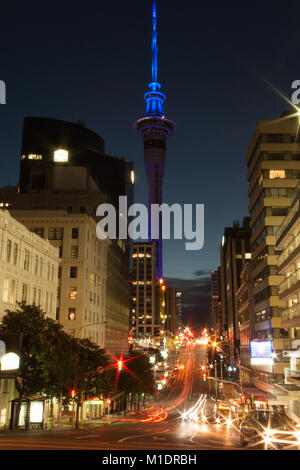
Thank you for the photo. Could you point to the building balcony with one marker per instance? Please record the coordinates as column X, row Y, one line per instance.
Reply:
column 293, row 246
column 290, row 282
column 291, row 316
column 292, row 374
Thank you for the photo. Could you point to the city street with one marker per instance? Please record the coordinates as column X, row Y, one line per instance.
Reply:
column 158, row 427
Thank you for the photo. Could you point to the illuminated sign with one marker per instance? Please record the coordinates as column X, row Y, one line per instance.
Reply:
column 10, row 361
column 259, row 361
column 36, row 411
column 261, row 349
column 61, row 156
column 261, row 352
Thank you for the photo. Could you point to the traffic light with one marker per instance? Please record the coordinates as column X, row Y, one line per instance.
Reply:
column 108, row 401
column 243, row 398
column 204, row 375
column 73, row 393
column 120, row 365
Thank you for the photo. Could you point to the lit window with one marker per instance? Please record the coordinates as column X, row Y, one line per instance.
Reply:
column 72, row 293
column 274, row 174
column 61, row 156
column 33, row 156
column 71, row 314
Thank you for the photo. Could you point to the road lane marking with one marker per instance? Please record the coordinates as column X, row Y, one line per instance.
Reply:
column 143, row 435
column 86, row 437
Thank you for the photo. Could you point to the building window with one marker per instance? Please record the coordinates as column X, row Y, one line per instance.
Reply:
column 71, row 314
column 15, row 254
column 33, row 156
column 74, row 251
column 36, row 268
column 274, row 138
column 276, row 174
column 26, row 260
column 55, row 233
column 5, row 290
column 278, row 192
column 73, row 272
column 276, row 156
column 34, row 296
column 24, row 292
column 279, row 211
column 38, row 230
column 72, row 293
column 8, row 250
column 75, row 233
column 12, row 291
column 41, row 267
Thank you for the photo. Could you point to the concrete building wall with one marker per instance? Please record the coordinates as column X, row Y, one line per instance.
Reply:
column 81, row 294
column 29, row 273
column 273, row 161
column 29, row 267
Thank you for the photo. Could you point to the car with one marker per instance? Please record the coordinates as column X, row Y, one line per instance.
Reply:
column 269, row 429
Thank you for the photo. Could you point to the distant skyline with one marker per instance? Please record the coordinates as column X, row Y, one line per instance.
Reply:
column 93, row 62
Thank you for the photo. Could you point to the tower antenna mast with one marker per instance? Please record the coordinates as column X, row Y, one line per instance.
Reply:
column 154, row 43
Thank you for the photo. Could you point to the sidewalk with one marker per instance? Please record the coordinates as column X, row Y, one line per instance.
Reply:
column 67, row 426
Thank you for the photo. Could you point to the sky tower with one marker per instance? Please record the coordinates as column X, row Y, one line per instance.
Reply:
column 155, row 127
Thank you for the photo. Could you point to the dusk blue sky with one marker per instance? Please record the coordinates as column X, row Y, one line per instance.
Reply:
column 92, row 61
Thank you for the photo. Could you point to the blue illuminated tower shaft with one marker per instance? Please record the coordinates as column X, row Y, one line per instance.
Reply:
column 155, row 127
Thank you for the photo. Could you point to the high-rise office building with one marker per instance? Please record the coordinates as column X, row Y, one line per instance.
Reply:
column 179, row 309
column 216, row 305
column 155, row 127
column 234, row 253
column 144, row 313
column 246, row 324
column 153, row 305
column 273, row 161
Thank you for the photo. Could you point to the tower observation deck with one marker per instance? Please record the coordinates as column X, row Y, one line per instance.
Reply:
column 155, row 127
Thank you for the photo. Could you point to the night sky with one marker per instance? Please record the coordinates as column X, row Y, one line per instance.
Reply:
column 92, row 61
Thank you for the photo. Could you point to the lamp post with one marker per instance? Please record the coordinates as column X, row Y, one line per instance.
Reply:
column 91, row 324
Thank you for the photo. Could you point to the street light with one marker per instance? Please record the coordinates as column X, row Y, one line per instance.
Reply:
column 92, row 324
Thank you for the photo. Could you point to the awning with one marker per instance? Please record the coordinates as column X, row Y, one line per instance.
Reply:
column 256, row 392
